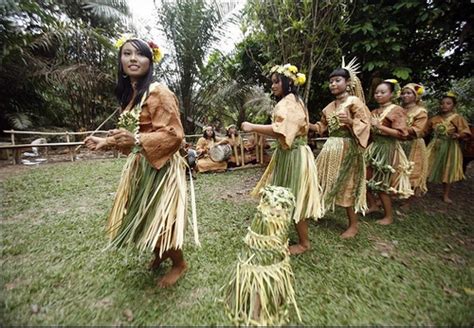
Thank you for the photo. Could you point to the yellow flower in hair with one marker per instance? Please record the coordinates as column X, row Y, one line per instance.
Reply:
column 451, row 94
column 123, row 38
column 293, row 69
column 157, row 54
column 300, row 79
column 420, row 90
column 393, row 81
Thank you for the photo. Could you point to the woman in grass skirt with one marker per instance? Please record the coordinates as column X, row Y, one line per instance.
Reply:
column 341, row 165
column 388, row 171
column 292, row 164
column 149, row 210
column 414, row 146
column 444, row 152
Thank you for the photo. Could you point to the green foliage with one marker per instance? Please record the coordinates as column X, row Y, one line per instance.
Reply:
column 411, row 40
column 57, row 54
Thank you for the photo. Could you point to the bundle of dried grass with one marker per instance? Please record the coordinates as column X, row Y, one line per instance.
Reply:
column 260, row 291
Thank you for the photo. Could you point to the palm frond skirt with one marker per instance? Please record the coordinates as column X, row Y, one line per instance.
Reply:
column 149, row 210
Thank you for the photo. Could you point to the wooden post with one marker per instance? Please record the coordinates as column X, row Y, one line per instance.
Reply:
column 236, row 153
column 71, row 151
column 241, row 143
column 262, row 145
column 15, row 156
column 257, row 152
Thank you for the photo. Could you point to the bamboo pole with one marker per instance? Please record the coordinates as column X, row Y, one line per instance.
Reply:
column 262, row 143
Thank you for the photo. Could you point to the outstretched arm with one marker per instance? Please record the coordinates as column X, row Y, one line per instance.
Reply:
column 259, row 128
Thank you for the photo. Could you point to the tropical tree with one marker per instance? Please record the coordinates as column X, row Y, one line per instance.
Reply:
column 57, row 63
column 192, row 28
column 304, row 33
column 427, row 41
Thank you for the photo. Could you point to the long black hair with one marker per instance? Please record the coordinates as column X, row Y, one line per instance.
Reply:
column 287, row 85
column 123, row 89
column 213, row 136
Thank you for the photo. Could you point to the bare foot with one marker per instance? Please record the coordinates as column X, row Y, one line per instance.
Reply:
column 170, row 278
column 298, row 249
column 350, row 232
column 372, row 209
column 447, row 200
column 385, row 221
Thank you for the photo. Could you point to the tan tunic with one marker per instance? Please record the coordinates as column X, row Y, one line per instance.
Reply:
column 456, row 123
column 290, row 120
column 396, row 118
column 358, row 112
column 417, row 122
column 160, row 129
column 204, row 162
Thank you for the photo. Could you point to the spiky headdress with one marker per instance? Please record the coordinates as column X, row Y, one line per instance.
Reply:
column 355, row 85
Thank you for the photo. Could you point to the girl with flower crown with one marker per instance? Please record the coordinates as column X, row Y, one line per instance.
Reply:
column 149, row 210
column 341, row 165
column 388, row 171
column 414, row 145
column 444, row 152
column 292, row 164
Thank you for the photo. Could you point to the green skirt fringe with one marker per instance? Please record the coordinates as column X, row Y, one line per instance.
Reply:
column 341, row 166
column 150, row 210
column 390, row 167
column 445, row 161
column 295, row 169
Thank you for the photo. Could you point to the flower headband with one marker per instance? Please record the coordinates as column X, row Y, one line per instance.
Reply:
column 396, row 87
column 157, row 55
column 451, row 94
column 290, row 71
column 417, row 89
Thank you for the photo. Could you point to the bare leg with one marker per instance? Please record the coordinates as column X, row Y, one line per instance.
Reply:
column 178, row 268
column 446, row 190
column 372, row 202
column 387, row 207
column 304, row 244
column 353, row 228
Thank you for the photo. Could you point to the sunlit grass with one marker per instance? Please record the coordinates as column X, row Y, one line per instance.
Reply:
column 55, row 269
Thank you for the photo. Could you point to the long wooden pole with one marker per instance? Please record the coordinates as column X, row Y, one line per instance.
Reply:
column 101, row 124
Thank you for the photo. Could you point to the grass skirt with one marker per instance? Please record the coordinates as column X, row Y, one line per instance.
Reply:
column 150, row 205
column 260, row 289
column 390, row 167
column 342, row 174
column 445, row 160
column 416, row 152
column 295, row 169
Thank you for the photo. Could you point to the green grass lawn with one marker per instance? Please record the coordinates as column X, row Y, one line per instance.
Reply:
column 54, row 270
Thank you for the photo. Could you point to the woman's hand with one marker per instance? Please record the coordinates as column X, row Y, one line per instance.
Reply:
column 247, row 127
column 375, row 122
column 95, row 143
column 123, row 138
column 345, row 118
